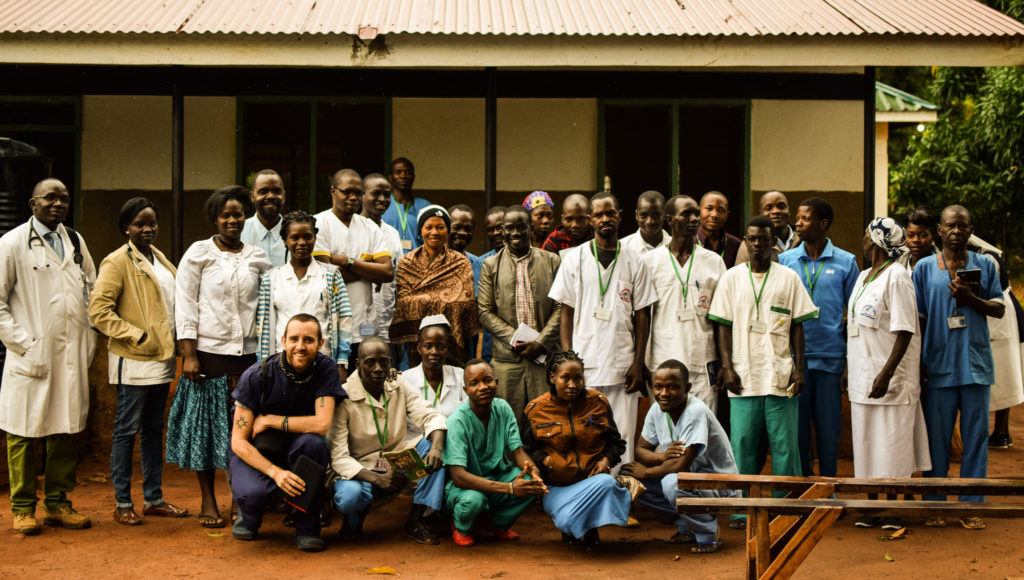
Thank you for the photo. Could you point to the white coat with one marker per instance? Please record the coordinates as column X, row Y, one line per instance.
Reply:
column 45, row 326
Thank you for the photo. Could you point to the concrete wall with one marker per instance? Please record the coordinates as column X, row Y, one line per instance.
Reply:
column 811, row 148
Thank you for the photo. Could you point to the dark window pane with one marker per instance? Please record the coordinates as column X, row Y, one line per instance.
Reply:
column 276, row 136
column 349, row 136
column 712, row 155
column 59, row 148
column 17, row 112
column 638, row 154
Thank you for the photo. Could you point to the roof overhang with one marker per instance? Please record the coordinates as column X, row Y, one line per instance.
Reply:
column 536, row 51
column 907, row 117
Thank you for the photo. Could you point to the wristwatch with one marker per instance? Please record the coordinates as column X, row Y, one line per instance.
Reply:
column 350, row 262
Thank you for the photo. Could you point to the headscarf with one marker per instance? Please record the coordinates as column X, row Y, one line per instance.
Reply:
column 536, row 199
column 433, row 211
column 888, row 235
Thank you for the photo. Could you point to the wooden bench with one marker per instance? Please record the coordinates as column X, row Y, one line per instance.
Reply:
column 777, row 546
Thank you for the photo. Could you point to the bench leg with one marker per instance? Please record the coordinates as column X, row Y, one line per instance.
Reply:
column 783, row 526
column 800, row 545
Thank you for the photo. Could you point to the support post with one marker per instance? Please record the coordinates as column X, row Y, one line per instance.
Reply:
column 490, row 137
column 177, row 167
column 869, row 144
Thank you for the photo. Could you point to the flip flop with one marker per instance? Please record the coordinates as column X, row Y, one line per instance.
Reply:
column 936, row 522
column 738, row 524
column 972, row 524
column 708, row 548
column 208, row 521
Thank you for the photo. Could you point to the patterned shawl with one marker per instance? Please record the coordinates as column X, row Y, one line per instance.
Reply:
column 442, row 286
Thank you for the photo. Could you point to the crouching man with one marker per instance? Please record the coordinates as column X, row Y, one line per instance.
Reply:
column 283, row 409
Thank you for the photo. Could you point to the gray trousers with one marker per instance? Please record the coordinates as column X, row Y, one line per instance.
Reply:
column 519, row 383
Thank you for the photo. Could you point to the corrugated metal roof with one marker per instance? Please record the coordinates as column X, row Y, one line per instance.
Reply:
column 889, row 99
column 512, row 17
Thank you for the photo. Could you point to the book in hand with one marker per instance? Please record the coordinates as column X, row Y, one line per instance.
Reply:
column 408, row 463
column 972, row 279
column 312, row 474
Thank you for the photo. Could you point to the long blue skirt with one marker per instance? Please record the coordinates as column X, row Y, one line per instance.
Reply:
column 594, row 502
column 199, row 426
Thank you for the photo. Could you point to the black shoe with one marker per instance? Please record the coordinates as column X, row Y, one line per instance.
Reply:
column 1000, row 442
column 591, row 539
column 348, row 531
column 416, row 530
column 240, row 532
column 892, row 524
column 309, row 543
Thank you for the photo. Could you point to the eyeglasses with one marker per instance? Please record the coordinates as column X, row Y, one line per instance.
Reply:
column 54, row 197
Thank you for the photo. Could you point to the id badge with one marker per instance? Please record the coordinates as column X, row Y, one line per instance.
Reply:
column 382, row 466
column 854, row 329
column 758, row 326
column 367, row 329
column 602, row 313
column 956, row 321
column 686, row 315
column 407, row 245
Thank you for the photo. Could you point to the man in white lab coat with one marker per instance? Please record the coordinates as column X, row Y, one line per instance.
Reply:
column 604, row 289
column 45, row 279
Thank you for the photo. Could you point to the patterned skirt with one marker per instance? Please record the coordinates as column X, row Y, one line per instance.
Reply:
column 199, row 424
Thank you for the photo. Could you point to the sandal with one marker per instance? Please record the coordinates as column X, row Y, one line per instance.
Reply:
column 936, row 522
column 681, row 538
column 421, row 535
column 127, row 516
column 738, row 524
column 708, row 548
column 208, row 521
column 972, row 524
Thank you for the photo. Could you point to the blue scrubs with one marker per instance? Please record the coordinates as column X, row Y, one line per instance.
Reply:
column 829, row 280
column 958, row 365
column 410, row 236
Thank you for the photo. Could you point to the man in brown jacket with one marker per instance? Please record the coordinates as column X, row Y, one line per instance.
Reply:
column 514, row 285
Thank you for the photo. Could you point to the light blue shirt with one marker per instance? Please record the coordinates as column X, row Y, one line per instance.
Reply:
column 269, row 241
column 829, row 280
column 476, row 262
column 696, row 426
column 410, row 236
column 44, row 231
column 954, row 357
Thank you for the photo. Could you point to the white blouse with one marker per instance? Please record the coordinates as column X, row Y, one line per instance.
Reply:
column 293, row 296
column 215, row 297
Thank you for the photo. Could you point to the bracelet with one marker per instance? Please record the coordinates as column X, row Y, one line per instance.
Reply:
column 511, row 489
column 284, row 424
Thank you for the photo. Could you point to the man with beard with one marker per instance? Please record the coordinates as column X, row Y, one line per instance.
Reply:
column 46, row 274
column 684, row 275
column 575, row 228
column 605, row 291
column 514, row 287
column 463, row 224
column 405, row 206
column 650, row 216
column 495, row 235
column 775, row 206
column 377, row 193
column 264, row 232
column 957, row 290
column 714, row 213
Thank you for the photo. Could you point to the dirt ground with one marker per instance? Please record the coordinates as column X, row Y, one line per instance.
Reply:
column 166, row 548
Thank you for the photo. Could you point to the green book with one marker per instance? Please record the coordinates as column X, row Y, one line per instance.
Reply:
column 409, row 463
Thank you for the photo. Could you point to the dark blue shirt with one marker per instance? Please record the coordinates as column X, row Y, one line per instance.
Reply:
column 832, row 276
column 271, row 392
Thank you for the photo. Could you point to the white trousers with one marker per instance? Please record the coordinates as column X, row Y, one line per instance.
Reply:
column 624, row 409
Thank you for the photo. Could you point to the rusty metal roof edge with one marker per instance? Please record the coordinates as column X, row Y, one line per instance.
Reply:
column 1016, row 35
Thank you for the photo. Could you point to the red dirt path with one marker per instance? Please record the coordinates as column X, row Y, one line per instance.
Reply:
column 166, row 548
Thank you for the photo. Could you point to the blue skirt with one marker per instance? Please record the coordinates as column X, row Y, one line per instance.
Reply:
column 596, row 501
column 199, row 424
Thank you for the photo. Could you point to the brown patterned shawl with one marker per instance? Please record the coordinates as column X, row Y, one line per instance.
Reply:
column 442, row 286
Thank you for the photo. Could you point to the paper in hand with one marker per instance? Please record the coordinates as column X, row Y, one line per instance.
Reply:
column 525, row 334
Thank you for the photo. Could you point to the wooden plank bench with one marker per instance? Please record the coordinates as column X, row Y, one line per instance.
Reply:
column 777, row 546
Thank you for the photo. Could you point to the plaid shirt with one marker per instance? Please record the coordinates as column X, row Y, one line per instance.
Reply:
column 559, row 240
column 524, row 292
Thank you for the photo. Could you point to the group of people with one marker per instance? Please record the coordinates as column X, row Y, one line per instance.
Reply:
column 336, row 360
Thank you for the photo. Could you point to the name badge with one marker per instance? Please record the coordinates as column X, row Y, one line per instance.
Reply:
column 957, row 321
column 602, row 313
column 758, row 326
column 686, row 315
column 854, row 329
column 406, row 244
column 367, row 329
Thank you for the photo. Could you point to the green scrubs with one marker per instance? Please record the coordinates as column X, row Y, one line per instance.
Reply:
column 484, row 451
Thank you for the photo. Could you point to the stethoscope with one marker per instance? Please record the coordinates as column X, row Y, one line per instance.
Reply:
column 38, row 252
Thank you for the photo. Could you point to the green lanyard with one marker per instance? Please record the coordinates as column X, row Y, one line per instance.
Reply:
column 381, row 436
column 437, row 393
column 758, row 295
column 603, row 284
column 853, row 307
column 807, row 277
column 403, row 217
column 689, row 268
column 668, row 421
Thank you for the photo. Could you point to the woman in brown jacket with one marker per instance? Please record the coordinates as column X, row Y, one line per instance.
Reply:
column 570, row 433
column 133, row 304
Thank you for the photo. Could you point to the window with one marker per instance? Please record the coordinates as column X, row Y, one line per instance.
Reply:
column 307, row 140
